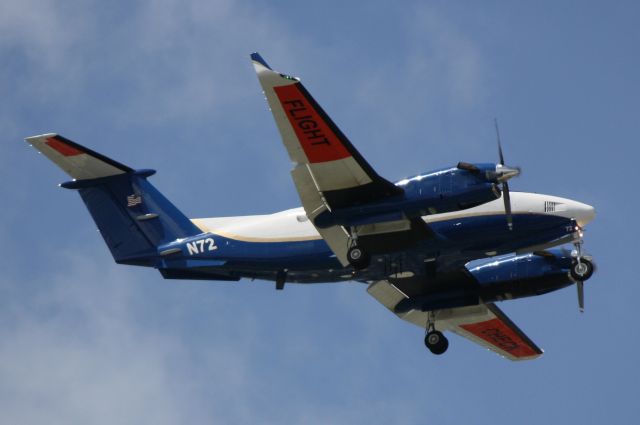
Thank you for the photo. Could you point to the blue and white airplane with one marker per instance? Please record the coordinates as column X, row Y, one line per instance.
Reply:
column 438, row 249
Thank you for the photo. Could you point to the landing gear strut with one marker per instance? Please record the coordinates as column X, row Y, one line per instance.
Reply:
column 435, row 341
column 358, row 258
column 581, row 270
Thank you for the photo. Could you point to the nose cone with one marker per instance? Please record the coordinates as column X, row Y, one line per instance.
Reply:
column 555, row 205
column 583, row 213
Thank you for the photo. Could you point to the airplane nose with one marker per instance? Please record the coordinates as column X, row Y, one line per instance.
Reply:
column 583, row 213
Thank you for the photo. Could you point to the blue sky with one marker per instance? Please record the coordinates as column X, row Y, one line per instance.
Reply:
column 168, row 85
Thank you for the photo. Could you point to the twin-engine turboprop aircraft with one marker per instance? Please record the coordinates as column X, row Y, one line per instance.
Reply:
column 412, row 242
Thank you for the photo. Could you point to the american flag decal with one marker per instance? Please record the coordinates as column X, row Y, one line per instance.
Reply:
column 133, row 200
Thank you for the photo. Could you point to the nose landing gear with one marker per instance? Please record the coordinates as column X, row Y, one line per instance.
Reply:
column 580, row 271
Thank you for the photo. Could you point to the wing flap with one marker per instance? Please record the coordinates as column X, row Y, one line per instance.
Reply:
column 313, row 202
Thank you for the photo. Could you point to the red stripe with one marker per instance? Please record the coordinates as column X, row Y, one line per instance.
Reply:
column 62, row 147
column 497, row 333
column 318, row 141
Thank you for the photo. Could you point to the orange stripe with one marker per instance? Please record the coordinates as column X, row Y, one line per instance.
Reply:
column 497, row 333
column 318, row 141
column 62, row 147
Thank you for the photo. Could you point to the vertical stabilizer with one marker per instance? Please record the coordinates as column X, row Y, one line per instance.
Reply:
column 133, row 217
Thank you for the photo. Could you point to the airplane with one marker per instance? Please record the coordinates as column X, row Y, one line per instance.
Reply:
column 438, row 250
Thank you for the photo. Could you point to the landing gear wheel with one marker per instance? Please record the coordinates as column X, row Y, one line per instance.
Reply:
column 581, row 271
column 436, row 342
column 358, row 258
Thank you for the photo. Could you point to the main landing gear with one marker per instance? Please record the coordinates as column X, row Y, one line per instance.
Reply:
column 358, row 258
column 435, row 341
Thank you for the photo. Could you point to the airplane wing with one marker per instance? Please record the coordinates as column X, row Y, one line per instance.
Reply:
column 491, row 328
column 329, row 173
column 317, row 145
column 484, row 324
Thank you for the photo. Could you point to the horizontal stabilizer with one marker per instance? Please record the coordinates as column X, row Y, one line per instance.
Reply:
column 79, row 162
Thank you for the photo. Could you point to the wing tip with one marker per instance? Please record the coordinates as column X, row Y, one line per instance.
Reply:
column 255, row 56
column 32, row 139
column 522, row 359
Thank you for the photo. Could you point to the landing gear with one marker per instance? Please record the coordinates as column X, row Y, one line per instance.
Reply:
column 581, row 270
column 435, row 341
column 358, row 258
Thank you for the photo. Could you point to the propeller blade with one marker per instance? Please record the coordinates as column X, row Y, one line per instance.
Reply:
column 495, row 121
column 507, row 204
column 504, row 174
column 580, row 286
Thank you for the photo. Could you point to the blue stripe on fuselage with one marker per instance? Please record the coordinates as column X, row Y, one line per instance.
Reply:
column 460, row 236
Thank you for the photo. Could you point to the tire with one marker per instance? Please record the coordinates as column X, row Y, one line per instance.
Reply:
column 355, row 254
column 358, row 259
column 436, row 342
column 581, row 271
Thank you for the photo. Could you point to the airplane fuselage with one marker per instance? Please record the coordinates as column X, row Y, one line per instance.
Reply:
column 260, row 246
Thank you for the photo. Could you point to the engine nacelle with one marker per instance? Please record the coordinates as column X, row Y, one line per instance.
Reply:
column 452, row 189
column 524, row 275
column 442, row 191
column 506, row 278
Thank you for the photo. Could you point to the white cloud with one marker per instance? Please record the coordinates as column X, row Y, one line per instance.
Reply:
column 439, row 77
column 90, row 69
column 96, row 343
column 160, row 60
column 37, row 27
column 78, row 348
column 444, row 56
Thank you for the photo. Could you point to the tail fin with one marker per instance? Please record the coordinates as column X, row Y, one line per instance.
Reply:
column 133, row 217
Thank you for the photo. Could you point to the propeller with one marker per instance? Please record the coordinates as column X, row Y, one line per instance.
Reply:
column 580, row 286
column 502, row 174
